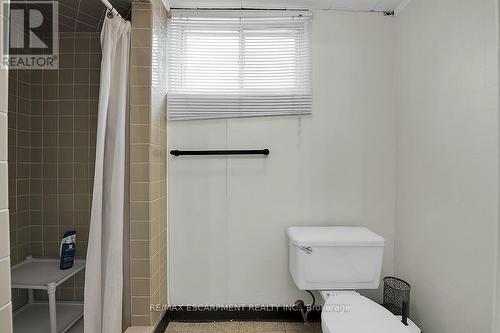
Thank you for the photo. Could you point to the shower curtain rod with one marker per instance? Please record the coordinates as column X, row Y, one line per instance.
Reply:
column 110, row 7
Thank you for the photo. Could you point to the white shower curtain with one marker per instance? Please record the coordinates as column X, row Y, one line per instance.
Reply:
column 104, row 270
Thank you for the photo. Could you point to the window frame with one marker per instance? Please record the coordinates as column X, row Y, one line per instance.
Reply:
column 298, row 90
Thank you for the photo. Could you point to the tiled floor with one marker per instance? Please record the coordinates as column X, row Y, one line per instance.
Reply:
column 244, row 327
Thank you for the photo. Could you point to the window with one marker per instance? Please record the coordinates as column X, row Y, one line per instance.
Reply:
column 221, row 65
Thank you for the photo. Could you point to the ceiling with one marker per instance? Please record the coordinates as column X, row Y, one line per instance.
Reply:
column 352, row 5
column 87, row 15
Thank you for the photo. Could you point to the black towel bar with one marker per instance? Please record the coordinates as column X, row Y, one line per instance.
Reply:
column 219, row 152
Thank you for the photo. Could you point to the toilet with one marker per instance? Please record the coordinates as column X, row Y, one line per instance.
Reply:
column 337, row 261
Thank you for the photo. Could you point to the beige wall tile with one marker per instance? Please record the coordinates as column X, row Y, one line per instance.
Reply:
column 156, row 244
column 4, row 82
column 155, row 227
column 140, row 76
column 163, row 284
column 5, row 281
column 140, row 305
column 139, row 134
column 157, row 154
column 139, row 172
column 139, row 153
column 155, row 263
column 139, row 191
column 141, row 37
column 157, row 207
column 3, row 136
column 139, row 231
column 51, row 249
column 140, row 115
column 156, row 317
column 142, row 18
column 140, row 211
column 141, row 287
column 143, row 5
column 139, row 268
column 4, row 233
column 141, row 56
column 156, row 135
column 156, row 190
column 3, row 186
column 140, row 320
column 36, row 233
column 140, row 95
column 6, row 318
column 155, row 282
column 157, row 171
column 37, row 249
column 139, row 249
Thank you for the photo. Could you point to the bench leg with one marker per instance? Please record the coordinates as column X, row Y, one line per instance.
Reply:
column 52, row 308
column 30, row 296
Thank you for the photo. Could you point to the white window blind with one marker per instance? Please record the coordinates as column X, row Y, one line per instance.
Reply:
column 235, row 64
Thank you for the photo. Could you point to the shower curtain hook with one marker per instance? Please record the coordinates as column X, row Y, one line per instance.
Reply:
column 109, row 14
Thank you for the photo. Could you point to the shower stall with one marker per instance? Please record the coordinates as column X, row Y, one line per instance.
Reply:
column 51, row 151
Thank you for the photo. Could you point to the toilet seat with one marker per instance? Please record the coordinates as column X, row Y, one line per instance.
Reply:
column 353, row 313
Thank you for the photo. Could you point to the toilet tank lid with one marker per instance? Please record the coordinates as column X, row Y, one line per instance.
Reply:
column 333, row 236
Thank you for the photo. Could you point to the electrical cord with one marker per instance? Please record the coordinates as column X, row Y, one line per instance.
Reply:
column 314, row 299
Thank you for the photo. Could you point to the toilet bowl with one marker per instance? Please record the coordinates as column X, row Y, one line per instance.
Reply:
column 336, row 261
column 351, row 312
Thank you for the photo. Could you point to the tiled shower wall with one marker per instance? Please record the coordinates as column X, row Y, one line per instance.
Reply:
column 64, row 121
column 53, row 151
column 19, row 170
column 148, row 233
column 19, row 163
column 157, row 163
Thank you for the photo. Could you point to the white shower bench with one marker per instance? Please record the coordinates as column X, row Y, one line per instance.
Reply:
column 41, row 317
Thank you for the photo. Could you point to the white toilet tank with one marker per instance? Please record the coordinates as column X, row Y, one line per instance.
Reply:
column 335, row 258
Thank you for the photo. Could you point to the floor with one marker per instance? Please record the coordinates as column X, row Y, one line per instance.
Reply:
column 244, row 327
column 77, row 327
column 231, row 327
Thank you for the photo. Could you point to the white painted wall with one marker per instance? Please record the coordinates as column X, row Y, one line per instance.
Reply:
column 447, row 183
column 228, row 217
